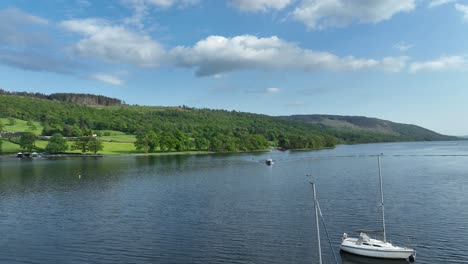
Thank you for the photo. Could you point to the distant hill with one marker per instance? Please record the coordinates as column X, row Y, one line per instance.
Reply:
column 84, row 99
column 360, row 129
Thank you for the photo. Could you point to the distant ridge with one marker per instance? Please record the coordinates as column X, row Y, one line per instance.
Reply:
column 84, row 99
column 360, row 129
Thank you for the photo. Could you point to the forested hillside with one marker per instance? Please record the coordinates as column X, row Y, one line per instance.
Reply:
column 169, row 128
column 359, row 129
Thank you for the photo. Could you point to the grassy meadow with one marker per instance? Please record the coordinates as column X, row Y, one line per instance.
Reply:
column 115, row 142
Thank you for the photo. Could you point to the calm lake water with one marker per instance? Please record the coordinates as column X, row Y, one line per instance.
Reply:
column 232, row 208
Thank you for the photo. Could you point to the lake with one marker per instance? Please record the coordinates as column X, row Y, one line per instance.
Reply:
column 233, row 208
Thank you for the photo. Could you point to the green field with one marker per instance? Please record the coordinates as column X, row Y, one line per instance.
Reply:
column 117, row 143
column 116, row 136
column 10, row 147
column 21, row 126
column 116, row 148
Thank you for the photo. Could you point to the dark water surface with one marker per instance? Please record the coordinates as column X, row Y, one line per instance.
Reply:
column 231, row 208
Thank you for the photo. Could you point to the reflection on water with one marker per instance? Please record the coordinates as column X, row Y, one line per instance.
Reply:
column 348, row 258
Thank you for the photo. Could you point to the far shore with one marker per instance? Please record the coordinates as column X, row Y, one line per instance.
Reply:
column 90, row 155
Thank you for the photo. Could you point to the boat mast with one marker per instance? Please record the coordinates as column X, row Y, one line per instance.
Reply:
column 317, row 223
column 381, row 200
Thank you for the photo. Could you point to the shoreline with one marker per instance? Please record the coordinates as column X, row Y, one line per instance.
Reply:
column 76, row 155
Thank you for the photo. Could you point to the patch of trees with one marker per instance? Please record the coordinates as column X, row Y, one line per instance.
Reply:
column 27, row 141
column 1, row 141
column 85, row 99
column 57, row 144
column 150, row 141
column 88, row 143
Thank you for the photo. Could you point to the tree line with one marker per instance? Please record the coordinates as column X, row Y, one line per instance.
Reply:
column 85, row 99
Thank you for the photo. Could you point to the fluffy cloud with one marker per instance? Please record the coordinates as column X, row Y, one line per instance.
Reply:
column 107, row 78
column 320, row 14
column 259, row 5
column 446, row 63
column 463, row 9
column 217, row 54
column 114, row 44
column 435, row 3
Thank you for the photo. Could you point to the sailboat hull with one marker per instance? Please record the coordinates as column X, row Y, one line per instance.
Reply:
column 382, row 250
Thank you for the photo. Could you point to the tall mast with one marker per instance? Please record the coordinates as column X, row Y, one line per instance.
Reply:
column 317, row 223
column 381, row 200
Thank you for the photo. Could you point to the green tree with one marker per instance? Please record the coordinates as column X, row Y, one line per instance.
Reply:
column 31, row 125
column 27, row 140
column 201, row 143
column 82, row 143
column 182, row 141
column 57, row 144
column 95, row 145
column 146, row 141
column 167, row 141
column 330, row 141
column 283, row 141
column 11, row 121
column 1, row 141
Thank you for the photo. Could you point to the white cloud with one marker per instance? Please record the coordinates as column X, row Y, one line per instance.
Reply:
column 272, row 90
column 217, row 54
column 446, row 63
column 463, row 9
column 25, row 44
column 402, row 46
column 435, row 3
column 115, row 44
column 107, row 78
column 141, row 9
column 259, row 5
column 168, row 3
column 320, row 14
column 19, row 28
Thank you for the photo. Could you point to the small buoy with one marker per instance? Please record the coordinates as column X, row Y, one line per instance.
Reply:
column 79, row 176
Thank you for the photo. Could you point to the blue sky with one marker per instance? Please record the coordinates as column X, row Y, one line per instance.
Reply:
column 401, row 60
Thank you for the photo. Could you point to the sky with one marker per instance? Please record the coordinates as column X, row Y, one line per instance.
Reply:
column 399, row 60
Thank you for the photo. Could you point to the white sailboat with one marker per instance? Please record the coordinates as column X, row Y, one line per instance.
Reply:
column 369, row 247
